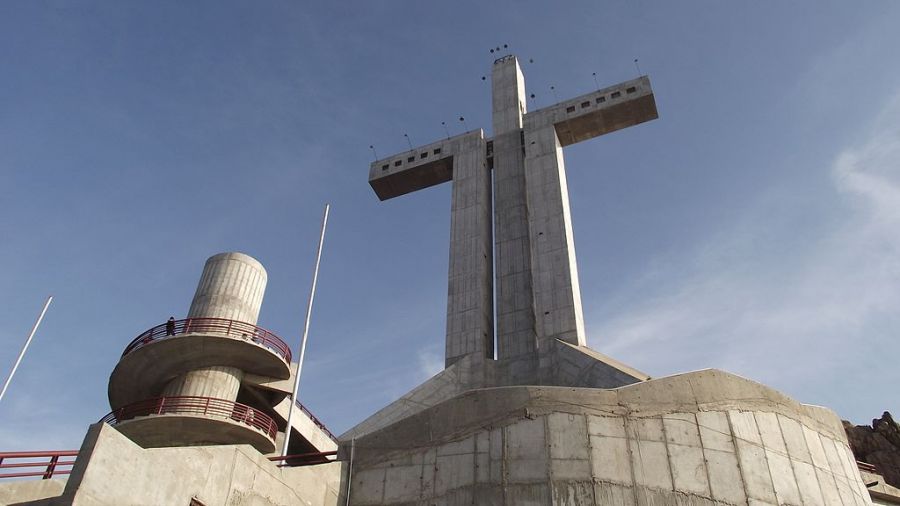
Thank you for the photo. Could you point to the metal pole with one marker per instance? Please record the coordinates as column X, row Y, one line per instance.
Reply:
column 309, row 304
column 350, row 469
column 25, row 348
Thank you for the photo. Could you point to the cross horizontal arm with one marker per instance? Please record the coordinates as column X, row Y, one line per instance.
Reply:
column 419, row 168
column 597, row 113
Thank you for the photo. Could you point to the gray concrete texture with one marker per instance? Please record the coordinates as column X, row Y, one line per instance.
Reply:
column 145, row 372
column 470, row 310
column 18, row 492
column 881, row 492
column 570, row 365
column 700, row 438
column 111, row 469
column 535, row 275
column 231, row 286
column 207, row 364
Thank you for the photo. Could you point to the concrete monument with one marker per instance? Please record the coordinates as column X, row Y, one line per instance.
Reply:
column 540, row 325
column 541, row 420
column 544, row 419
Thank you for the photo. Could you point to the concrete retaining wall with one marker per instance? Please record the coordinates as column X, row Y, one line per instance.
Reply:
column 701, row 438
column 110, row 469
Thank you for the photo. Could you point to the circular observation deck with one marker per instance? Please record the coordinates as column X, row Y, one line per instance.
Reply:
column 163, row 352
column 193, row 421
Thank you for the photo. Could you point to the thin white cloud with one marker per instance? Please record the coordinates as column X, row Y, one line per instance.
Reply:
column 431, row 362
column 774, row 302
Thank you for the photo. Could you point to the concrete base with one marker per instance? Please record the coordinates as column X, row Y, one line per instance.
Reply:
column 110, row 469
column 159, row 431
column 566, row 365
column 701, row 438
column 17, row 492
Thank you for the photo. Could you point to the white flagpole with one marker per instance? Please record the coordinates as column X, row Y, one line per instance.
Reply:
column 309, row 304
column 25, row 348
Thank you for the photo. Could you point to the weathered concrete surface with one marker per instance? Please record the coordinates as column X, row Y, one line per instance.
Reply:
column 880, row 491
column 470, row 284
column 579, row 366
column 145, row 372
column 470, row 310
column 461, row 376
column 538, row 298
column 159, row 431
column 213, row 365
column 597, row 113
column 706, row 437
column 13, row 492
column 304, row 428
column 569, row 365
column 516, row 335
column 112, row 470
column 232, row 287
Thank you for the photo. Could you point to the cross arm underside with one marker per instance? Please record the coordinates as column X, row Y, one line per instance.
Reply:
column 597, row 113
column 421, row 167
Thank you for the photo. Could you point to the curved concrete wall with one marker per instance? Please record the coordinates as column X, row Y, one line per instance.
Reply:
column 705, row 438
column 231, row 286
column 217, row 382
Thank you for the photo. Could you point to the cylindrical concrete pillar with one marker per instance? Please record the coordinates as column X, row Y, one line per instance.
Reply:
column 217, row 382
column 231, row 287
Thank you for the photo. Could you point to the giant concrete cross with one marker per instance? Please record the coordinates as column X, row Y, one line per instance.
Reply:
column 538, row 298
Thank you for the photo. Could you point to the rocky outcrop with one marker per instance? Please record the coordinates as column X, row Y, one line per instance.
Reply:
column 878, row 445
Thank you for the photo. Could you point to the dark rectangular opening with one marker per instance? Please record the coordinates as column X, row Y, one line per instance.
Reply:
column 397, row 163
column 616, row 94
column 424, row 155
column 571, row 108
column 600, row 100
column 585, row 104
column 385, row 167
column 411, row 159
column 437, row 151
column 631, row 90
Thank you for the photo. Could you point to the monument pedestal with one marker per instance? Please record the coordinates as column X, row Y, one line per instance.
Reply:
column 698, row 438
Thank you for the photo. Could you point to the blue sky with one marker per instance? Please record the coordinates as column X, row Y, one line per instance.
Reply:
column 752, row 228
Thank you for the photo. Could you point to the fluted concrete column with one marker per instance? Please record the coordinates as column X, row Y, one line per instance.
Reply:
column 217, row 382
column 231, row 287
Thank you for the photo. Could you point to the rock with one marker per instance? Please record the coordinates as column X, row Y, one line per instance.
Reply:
column 878, row 445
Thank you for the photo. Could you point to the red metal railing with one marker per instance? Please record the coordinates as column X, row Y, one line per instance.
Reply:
column 204, row 406
column 50, row 467
column 316, row 421
column 216, row 326
column 304, row 459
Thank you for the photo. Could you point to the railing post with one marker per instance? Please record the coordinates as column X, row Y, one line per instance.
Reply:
column 228, row 332
column 50, row 467
column 206, row 407
column 162, row 402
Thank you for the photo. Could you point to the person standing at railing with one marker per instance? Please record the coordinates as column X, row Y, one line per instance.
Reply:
column 170, row 326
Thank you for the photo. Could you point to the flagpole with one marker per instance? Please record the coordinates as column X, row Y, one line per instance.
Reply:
column 25, row 348
column 309, row 304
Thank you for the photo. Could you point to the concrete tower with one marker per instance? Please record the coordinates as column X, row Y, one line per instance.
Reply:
column 214, row 377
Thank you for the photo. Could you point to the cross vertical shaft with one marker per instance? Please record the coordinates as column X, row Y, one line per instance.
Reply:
column 515, row 315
